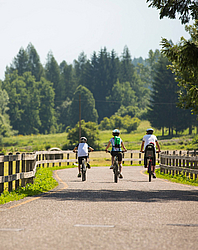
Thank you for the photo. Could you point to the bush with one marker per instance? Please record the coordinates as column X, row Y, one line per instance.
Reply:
column 115, row 121
column 89, row 130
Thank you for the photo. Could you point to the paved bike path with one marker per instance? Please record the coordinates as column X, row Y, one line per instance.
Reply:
column 100, row 214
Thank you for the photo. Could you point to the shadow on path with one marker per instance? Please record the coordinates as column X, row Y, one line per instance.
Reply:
column 122, row 196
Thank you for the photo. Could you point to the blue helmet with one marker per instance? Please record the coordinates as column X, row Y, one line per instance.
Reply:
column 116, row 132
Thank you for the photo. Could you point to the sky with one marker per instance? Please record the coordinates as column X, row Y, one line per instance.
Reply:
column 68, row 27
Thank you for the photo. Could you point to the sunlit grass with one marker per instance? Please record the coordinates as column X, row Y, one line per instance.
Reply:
column 179, row 178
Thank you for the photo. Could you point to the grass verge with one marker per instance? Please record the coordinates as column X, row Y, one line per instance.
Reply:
column 43, row 182
column 182, row 179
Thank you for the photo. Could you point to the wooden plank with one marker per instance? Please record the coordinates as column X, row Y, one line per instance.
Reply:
column 193, row 171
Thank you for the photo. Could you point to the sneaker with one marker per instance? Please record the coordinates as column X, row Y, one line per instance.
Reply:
column 88, row 166
column 111, row 167
column 154, row 175
column 79, row 175
column 120, row 176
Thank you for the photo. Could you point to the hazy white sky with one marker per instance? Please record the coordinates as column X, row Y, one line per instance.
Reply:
column 68, row 27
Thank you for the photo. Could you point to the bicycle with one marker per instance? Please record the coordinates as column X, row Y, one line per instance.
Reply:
column 149, row 154
column 116, row 167
column 83, row 167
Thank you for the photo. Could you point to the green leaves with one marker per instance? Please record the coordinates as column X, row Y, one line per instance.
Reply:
column 170, row 8
column 185, row 66
column 89, row 130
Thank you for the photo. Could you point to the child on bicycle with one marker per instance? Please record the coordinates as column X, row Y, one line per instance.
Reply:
column 83, row 149
column 116, row 143
column 150, row 138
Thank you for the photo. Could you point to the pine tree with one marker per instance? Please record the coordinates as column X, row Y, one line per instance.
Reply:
column 52, row 73
column 34, row 64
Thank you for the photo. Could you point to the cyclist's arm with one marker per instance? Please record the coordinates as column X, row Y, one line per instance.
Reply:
column 91, row 149
column 108, row 146
column 74, row 150
column 158, row 146
column 123, row 146
column 142, row 146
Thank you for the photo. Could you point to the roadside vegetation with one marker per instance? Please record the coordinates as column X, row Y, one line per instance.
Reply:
column 44, row 180
column 132, row 140
column 179, row 178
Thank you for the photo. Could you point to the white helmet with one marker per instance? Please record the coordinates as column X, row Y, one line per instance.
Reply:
column 149, row 130
column 83, row 139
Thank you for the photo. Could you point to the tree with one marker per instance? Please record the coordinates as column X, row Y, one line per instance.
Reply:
column 169, row 8
column 20, row 63
column 25, row 102
column 52, row 73
column 185, row 66
column 34, row 64
column 122, row 95
column 88, row 111
column 46, row 111
column 130, row 124
column 5, row 128
column 89, row 130
column 163, row 111
column 126, row 68
column 68, row 83
column 184, row 54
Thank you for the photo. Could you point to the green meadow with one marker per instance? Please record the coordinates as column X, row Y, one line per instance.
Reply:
column 31, row 143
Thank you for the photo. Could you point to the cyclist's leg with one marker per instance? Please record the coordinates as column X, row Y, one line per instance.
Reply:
column 153, row 166
column 112, row 159
column 79, row 162
column 120, row 164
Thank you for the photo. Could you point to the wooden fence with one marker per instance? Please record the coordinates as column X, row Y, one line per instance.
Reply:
column 18, row 170
column 182, row 162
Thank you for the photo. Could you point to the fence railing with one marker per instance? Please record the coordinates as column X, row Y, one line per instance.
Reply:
column 182, row 162
column 18, row 170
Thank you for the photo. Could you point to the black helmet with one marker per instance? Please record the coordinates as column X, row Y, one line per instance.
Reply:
column 116, row 132
column 83, row 139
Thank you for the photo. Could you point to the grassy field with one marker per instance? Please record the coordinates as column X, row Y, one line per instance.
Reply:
column 132, row 141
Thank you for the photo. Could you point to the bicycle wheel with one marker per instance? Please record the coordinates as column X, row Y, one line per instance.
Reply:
column 116, row 172
column 149, row 171
column 83, row 171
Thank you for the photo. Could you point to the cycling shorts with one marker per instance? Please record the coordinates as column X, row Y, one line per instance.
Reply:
column 80, row 159
column 114, row 153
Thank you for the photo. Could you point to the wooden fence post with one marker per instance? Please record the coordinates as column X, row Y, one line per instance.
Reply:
column 10, row 172
column 131, row 158
column 23, row 169
column 1, row 174
column 68, row 158
column 17, row 171
column 140, row 158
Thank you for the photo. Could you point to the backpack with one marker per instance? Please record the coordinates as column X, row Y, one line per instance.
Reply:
column 150, row 150
column 117, row 142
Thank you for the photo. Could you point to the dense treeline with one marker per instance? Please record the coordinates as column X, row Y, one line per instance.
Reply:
column 45, row 99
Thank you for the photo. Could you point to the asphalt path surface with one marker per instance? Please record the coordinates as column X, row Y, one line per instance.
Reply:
column 101, row 214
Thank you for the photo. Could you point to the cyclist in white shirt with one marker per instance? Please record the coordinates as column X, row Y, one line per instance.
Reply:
column 83, row 149
column 150, row 138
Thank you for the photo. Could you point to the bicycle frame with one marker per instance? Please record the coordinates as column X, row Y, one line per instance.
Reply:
column 83, row 169
column 116, row 167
